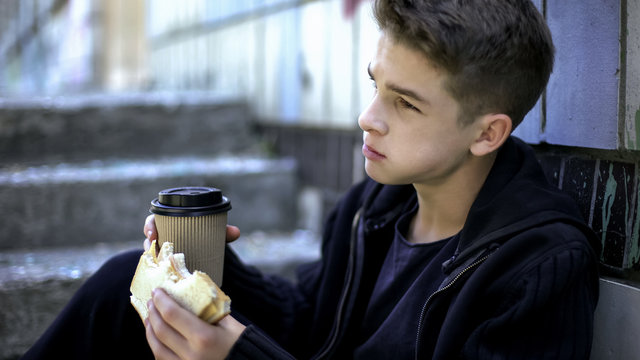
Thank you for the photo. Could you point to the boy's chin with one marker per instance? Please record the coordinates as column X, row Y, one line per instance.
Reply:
column 385, row 180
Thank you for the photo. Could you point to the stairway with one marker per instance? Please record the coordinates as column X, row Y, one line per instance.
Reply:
column 77, row 176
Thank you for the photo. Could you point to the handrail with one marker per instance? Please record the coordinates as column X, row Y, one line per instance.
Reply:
column 209, row 26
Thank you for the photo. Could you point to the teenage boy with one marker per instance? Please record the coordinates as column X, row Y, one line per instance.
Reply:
column 465, row 252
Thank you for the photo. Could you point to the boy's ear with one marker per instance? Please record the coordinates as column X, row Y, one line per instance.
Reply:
column 494, row 131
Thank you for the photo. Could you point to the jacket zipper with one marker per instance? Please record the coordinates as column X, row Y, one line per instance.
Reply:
column 345, row 290
column 442, row 289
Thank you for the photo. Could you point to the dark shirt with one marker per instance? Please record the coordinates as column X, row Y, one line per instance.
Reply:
column 403, row 264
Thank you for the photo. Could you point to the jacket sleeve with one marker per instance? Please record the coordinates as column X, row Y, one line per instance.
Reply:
column 288, row 311
column 274, row 304
column 547, row 313
column 255, row 345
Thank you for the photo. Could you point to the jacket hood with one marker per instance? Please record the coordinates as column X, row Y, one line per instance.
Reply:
column 515, row 196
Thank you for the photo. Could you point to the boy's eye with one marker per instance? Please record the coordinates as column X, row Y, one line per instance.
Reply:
column 407, row 105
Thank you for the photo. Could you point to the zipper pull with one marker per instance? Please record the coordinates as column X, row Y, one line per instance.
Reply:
column 373, row 225
column 446, row 266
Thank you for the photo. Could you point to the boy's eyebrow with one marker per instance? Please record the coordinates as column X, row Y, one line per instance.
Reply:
column 400, row 90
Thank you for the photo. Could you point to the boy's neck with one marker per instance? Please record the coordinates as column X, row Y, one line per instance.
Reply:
column 443, row 209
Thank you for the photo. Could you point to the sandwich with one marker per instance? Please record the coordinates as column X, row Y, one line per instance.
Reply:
column 195, row 291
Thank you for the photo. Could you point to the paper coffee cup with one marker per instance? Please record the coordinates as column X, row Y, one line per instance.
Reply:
column 194, row 219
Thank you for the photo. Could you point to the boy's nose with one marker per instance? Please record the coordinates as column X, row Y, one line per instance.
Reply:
column 370, row 119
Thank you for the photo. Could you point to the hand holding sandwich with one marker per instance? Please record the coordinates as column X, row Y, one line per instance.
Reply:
column 175, row 333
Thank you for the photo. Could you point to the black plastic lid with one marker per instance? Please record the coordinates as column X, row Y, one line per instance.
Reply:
column 190, row 201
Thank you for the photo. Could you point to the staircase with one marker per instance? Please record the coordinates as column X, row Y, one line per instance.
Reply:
column 77, row 176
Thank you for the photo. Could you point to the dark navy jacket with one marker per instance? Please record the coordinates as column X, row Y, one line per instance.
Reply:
column 523, row 282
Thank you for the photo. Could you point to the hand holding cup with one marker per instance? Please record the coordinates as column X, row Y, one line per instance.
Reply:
column 151, row 233
column 194, row 219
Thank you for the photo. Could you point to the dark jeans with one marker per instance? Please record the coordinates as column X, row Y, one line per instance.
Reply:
column 99, row 322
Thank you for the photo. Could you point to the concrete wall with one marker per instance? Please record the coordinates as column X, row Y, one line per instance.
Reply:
column 46, row 130
column 617, row 322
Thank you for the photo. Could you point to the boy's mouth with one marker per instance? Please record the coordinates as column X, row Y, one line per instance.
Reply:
column 371, row 153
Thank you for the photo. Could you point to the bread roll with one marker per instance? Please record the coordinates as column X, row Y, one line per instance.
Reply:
column 195, row 292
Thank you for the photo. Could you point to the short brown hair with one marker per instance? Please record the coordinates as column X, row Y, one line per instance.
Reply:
column 498, row 53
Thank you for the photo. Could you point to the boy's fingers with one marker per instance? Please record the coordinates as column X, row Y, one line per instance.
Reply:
column 178, row 318
column 160, row 320
column 233, row 233
column 149, row 229
column 160, row 351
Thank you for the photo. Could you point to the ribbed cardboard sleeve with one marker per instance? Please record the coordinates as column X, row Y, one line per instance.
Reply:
column 201, row 238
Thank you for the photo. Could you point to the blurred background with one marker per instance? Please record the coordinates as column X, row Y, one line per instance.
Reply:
column 85, row 81
column 103, row 103
column 293, row 60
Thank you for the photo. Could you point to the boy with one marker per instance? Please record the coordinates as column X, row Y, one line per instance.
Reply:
column 465, row 251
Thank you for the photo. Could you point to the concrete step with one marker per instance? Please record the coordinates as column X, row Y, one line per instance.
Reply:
column 83, row 128
column 35, row 285
column 107, row 201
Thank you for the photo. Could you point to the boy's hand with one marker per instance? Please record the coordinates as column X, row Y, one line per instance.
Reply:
column 150, row 232
column 176, row 333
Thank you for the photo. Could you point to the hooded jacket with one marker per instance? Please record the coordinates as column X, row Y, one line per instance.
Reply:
column 522, row 281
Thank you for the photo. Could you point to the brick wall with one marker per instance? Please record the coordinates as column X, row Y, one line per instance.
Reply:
column 605, row 186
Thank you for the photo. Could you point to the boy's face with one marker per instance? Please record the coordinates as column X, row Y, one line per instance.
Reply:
column 411, row 130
